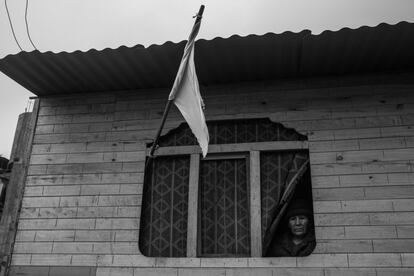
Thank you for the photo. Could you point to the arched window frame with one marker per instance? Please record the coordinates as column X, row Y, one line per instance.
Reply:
column 252, row 151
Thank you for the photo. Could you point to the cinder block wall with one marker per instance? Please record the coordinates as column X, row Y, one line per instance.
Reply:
column 84, row 187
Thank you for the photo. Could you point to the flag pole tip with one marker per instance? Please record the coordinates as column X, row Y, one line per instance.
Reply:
column 199, row 15
column 201, row 11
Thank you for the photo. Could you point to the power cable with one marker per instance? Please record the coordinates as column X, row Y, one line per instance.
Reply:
column 11, row 25
column 27, row 25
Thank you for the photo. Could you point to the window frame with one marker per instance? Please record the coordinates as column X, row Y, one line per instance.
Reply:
column 223, row 156
column 253, row 151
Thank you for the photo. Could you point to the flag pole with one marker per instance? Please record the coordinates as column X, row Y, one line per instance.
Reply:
column 169, row 103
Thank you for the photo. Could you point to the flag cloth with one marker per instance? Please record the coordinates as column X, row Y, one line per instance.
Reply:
column 185, row 93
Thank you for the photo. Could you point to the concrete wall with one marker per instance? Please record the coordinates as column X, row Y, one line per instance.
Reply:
column 83, row 193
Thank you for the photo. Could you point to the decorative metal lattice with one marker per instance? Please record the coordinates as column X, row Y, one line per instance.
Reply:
column 165, row 208
column 224, row 216
column 233, row 131
column 224, row 208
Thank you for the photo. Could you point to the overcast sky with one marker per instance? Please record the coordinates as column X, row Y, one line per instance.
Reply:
column 69, row 25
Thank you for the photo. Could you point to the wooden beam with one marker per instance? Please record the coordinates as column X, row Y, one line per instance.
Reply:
column 192, row 226
column 20, row 157
column 242, row 147
column 255, row 205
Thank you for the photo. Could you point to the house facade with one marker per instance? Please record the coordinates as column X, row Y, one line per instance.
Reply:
column 4, row 179
column 349, row 93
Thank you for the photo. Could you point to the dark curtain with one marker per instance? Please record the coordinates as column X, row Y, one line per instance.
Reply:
column 279, row 173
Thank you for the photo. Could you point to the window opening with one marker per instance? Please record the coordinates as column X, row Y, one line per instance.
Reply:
column 285, row 184
column 249, row 190
column 224, row 208
column 165, row 207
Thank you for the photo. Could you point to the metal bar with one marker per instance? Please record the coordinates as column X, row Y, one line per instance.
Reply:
column 192, row 222
column 157, row 136
column 169, row 103
column 255, row 205
column 242, row 147
column 172, row 206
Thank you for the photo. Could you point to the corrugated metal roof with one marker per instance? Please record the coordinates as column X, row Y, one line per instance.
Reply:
column 220, row 60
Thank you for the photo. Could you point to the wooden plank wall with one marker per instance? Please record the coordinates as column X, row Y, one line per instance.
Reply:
column 20, row 156
column 84, row 187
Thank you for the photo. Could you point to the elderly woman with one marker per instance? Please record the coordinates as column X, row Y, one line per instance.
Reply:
column 298, row 240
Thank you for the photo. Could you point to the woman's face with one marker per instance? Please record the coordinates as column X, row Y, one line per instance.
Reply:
column 298, row 225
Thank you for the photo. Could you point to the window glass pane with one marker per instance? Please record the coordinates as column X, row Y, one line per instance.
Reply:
column 165, row 207
column 224, row 208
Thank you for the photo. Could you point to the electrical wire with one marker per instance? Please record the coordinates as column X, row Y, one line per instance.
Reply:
column 11, row 25
column 27, row 25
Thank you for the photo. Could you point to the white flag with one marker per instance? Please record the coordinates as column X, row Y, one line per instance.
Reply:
column 186, row 93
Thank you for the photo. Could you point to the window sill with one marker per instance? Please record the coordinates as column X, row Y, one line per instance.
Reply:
column 127, row 260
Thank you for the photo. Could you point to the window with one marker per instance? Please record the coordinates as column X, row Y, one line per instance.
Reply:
column 223, row 214
column 233, row 202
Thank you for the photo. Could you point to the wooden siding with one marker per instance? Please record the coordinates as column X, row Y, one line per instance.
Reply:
column 14, row 193
column 84, row 187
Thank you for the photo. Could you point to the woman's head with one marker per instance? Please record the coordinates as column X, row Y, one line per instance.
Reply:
column 299, row 216
column 298, row 225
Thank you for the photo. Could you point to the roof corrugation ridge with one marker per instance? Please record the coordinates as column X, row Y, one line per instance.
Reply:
column 213, row 39
column 220, row 60
column 364, row 27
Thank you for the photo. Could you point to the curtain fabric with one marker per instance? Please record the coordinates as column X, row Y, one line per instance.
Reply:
column 280, row 172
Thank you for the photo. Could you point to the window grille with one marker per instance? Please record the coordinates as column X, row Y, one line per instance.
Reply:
column 230, row 203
